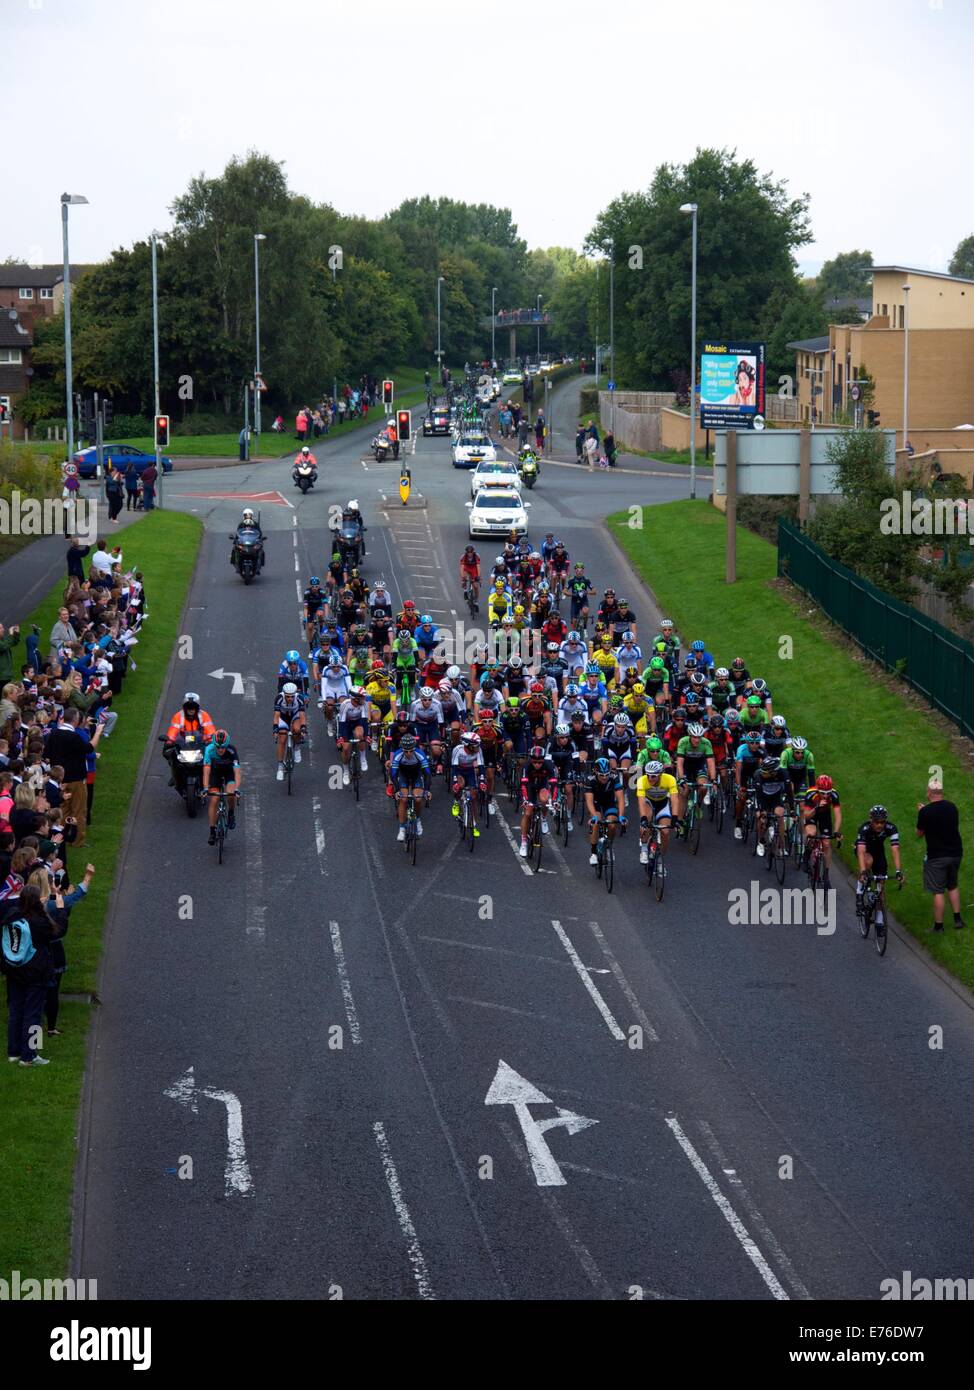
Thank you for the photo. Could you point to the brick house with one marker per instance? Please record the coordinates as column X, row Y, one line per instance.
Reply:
column 27, row 293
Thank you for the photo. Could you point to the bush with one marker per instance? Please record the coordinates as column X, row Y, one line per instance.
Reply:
column 28, row 470
column 588, row 400
column 760, row 514
column 40, row 427
column 129, row 427
column 208, row 424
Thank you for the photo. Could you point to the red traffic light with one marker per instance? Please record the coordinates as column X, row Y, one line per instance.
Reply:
column 162, row 431
column 387, row 392
column 403, row 422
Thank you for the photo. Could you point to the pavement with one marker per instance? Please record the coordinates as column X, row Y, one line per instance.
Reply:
column 319, row 1067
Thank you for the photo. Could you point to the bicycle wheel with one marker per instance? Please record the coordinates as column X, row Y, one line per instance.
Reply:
column 471, row 837
column 565, row 818
column 693, row 830
column 411, row 836
column 610, row 865
column 780, row 862
column 864, row 912
column 717, row 805
column 221, row 833
column 881, row 933
column 356, row 772
column 600, row 853
column 659, row 873
column 537, row 842
column 289, row 764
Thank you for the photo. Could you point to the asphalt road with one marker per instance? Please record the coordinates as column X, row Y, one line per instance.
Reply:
column 766, row 1115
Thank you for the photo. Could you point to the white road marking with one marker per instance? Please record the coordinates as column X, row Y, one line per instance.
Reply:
column 238, row 686
column 236, row 1175
column 586, row 977
column 350, row 1012
column 623, row 983
column 297, row 567
column 770, row 1240
column 297, row 585
column 319, row 833
column 727, row 1211
column 501, row 820
column 509, row 1009
column 494, row 950
column 510, row 1088
column 415, row 1254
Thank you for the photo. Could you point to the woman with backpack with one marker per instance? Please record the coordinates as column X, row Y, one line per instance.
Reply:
column 26, row 939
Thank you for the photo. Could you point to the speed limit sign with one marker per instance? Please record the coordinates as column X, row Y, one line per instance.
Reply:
column 70, row 470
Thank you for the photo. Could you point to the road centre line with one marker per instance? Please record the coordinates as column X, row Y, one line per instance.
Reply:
column 256, row 911
column 727, row 1211
column 587, row 981
column 413, row 1251
column 623, row 983
column 344, row 982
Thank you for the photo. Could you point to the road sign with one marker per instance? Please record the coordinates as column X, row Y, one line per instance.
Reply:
column 855, row 392
column 611, row 385
column 758, row 422
column 70, row 470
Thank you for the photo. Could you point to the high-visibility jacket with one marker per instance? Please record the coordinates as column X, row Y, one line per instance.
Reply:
column 181, row 724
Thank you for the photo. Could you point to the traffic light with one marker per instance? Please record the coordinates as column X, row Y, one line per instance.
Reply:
column 872, row 417
column 87, row 416
column 387, row 392
column 162, row 431
column 403, row 423
column 107, row 412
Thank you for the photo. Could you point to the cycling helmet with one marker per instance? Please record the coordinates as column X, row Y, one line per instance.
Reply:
column 610, row 592
column 758, row 684
column 357, row 693
column 426, row 618
column 221, row 738
column 537, row 753
column 722, row 673
column 289, row 688
column 654, row 744
column 716, row 721
column 823, row 783
column 499, row 561
column 427, row 692
column 471, row 740
column 453, row 673
column 627, row 636
column 665, row 624
column 679, row 712
column 486, row 716
column 602, row 768
column 514, row 702
column 878, row 813
column 779, row 721
column 314, row 582
column 657, row 664
column 407, row 743
column 486, row 684
column 516, row 662
column 695, row 730
column 468, row 548
column 798, row 745
column 638, row 689
column 563, row 730
column 519, row 610
column 622, row 720
column 698, row 646
column 654, row 769
column 593, row 669
column 770, row 764
column 378, row 668
column 732, row 717
column 752, row 736
column 578, row 714
column 444, row 687
column 537, row 687
column 690, row 664
column 738, row 663
column 402, row 716
column 578, row 566
column 698, row 680
column 291, row 657
column 535, row 554
column 552, row 647
column 754, row 701
column 334, row 661
column 408, row 603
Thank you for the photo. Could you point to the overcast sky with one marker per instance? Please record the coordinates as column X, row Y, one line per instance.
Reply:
column 864, row 104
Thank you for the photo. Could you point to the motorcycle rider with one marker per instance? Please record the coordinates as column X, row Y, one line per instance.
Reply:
column 306, row 459
column 248, row 524
column 188, row 719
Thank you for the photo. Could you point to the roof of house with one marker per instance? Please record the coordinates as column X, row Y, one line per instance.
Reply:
column 912, row 270
column 15, row 277
column 810, row 344
column 838, row 301
column 12, row 331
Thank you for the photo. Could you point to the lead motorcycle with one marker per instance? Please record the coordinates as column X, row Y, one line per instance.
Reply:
column 185, row 757
column 305, row 476
column 248, row 553
column 383, row 446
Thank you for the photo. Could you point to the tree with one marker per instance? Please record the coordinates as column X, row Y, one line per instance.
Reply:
column 846, row 277
column 962, row 261
column 749, row 228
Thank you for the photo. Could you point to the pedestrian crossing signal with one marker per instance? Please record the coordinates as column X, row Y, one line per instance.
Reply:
column 162, row 431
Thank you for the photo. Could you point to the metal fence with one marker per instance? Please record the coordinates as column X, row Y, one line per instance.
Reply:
column 936, row 662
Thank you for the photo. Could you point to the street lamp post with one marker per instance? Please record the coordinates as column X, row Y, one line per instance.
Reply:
column 612, row 339
column 493, row 315
column 153, row 239
column 906, row 365
column 439, row 345
column 692, row 209
column 258, row 236
column 539, row 330
column 66, row 200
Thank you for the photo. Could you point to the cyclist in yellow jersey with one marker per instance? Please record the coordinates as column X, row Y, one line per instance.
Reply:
column 605, row 658
column 639, row 710
column 657, row 794
column 382, row 699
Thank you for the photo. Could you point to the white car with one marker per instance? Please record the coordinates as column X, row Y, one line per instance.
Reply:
column 544, row 366
column 532, row 369
column 495, row 473
column 497, row 510
column 495, row 389
column 511, row 375
column 471, row 448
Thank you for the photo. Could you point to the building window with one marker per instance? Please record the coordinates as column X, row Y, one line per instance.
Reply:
column 47, row 294
column 11, row 356
column 27, row 294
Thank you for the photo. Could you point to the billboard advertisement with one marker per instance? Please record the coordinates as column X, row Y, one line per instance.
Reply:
column 732, row 386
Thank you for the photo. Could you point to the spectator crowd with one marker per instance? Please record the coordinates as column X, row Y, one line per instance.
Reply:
column 55, row 712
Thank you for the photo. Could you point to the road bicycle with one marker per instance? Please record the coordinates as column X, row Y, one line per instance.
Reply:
column 748, row 822
column 816, row 865
column 535, row 839
column 655, row 866
column 605, row 856
column 470, row 596
column 690, row 831
column 871, row 908
column 289, row 759
column 509, row 772
column 483, row 802
column 773, row 838
column 222, row 826
column 465, row 819
column 412, row 837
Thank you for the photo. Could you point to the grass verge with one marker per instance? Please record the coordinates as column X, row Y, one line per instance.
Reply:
column 39, row 1113
column 866, row 730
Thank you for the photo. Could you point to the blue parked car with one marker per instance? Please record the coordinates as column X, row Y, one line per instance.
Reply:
column 120, row 455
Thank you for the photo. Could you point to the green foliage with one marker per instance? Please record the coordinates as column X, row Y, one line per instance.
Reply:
column 588, row 400
column 125, row 426
column 749, row 228
column 847, row 276
column 962, row 261
column 761, row 514
column 29, row 470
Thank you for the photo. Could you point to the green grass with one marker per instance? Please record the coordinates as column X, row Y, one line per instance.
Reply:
column 38, row 1113
column 865, row 730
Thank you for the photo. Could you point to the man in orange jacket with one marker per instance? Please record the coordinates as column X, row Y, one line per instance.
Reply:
column 189, row 719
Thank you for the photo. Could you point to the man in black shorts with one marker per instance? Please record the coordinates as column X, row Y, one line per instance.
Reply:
column 939, row 824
